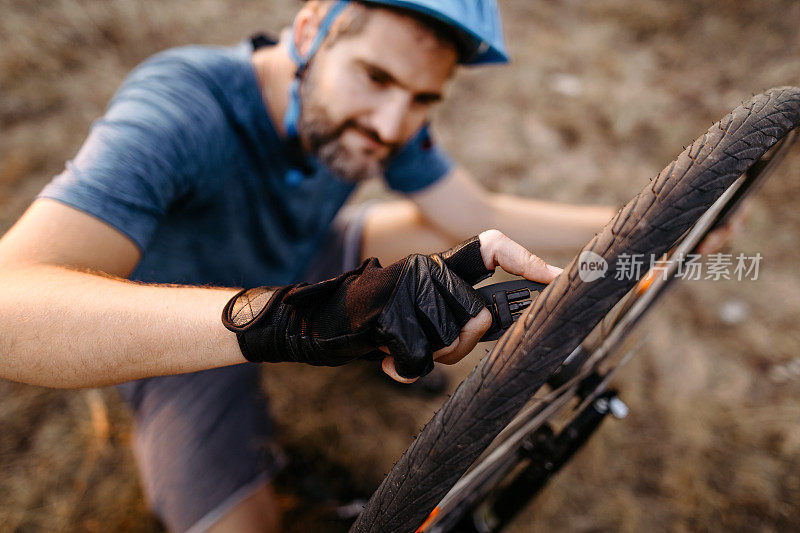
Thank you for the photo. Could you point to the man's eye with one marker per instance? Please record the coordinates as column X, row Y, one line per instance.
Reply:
column 376, row 77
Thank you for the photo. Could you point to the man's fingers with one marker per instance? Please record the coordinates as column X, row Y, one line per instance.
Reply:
column 717, row 239
column 470, row 334
column 499, row 250
column 714, row 241
column 438, row 355
column 387, row 365
column 720, row 237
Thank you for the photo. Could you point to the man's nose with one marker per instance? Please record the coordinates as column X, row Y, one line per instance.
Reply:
column 389, row 118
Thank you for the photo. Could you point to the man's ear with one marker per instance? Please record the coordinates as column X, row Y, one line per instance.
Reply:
column 306, row 24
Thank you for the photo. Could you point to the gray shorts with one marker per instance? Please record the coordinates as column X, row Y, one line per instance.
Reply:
column 203, row 441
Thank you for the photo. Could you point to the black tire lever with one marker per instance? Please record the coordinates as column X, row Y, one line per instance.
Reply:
column 506, row 301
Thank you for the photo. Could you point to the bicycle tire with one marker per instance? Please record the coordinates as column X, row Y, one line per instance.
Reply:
column 489, row 471
column 523, row 359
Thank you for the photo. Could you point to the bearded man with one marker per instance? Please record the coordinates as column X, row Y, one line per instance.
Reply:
column 216, row 169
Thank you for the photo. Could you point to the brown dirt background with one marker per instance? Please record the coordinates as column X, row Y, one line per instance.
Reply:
column 601, row 95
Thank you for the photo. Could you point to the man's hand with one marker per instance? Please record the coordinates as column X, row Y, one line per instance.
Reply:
column 418, row 310
column 720, row 237
column 496, row 250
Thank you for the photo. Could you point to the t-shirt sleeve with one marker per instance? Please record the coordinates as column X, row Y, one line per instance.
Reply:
column 418, row 164
column 153, row 146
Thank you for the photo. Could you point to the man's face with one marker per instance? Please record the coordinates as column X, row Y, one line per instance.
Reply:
column 368, row 93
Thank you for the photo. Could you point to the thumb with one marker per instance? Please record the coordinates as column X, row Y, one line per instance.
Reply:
column 388, row 368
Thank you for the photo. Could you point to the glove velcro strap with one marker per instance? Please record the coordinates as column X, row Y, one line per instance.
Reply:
column 247, row 314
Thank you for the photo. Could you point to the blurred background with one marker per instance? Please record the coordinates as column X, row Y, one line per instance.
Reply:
column 600, row 96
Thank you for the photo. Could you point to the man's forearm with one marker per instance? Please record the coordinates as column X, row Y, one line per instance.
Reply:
column 458, row 206
column 547, row 226
column 62, row 328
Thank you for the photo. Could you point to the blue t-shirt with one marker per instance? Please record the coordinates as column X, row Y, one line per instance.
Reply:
column 187, row 163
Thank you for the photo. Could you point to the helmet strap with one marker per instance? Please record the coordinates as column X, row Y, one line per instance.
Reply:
column 292, row 115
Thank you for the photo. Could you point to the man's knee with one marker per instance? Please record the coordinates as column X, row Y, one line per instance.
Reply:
column 257, row 513
column 202, row 440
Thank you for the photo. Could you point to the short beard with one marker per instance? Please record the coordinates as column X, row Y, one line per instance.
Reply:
column 323, row 137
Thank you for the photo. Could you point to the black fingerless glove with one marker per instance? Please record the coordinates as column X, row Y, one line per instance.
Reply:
column 414, row 307
column 466, row 261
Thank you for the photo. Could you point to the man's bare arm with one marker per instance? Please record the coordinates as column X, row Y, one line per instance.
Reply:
column 460, row 207
column 68, row 319
column 451, row 211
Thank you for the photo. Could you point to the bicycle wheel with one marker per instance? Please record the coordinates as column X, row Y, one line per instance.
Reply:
column 563, row 314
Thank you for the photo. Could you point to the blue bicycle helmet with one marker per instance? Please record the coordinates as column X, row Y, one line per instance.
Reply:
column 478, row 21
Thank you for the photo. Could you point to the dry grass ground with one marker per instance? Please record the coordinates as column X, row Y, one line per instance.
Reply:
column 601, row 95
